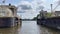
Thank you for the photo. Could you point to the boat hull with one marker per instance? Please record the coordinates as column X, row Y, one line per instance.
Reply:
column 50, row 22
column 7, row 22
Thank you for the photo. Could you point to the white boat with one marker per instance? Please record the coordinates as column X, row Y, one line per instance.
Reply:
column 8, row 16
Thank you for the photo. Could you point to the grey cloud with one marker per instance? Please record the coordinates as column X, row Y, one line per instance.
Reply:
column 21, row 11
column 25, row 7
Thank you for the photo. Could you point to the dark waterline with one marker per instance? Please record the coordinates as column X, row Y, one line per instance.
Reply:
column 28, row 27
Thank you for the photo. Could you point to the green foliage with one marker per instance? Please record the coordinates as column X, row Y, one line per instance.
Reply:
column 34, row 18
column 48, row 15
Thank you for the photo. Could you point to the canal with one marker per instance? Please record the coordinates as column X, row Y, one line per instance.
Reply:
column 28, row 27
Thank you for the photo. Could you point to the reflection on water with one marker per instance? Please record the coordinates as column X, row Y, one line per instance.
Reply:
column 28, row 27
column 13, row 30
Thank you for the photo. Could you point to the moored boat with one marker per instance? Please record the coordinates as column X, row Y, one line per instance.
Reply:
column 52, row 22
column 8, row 16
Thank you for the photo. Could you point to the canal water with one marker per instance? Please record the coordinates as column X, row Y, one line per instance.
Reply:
column 28, row 27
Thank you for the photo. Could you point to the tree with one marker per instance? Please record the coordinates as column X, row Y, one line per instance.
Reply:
column 48, row 15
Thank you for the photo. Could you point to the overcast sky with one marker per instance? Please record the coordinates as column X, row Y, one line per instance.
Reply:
column 32, row 5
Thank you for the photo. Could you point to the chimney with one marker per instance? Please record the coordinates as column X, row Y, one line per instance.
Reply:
column 9, row 4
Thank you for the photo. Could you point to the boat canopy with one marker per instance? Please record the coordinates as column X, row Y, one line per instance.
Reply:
column 5, row 12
